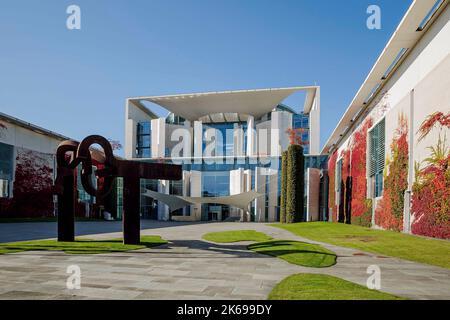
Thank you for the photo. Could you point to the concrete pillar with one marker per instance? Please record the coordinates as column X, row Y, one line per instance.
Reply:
column 251, row 137
column 314, row 126
column 163, row 209
column 196, row 191
column 158, row 129
column 247, row 188
column 237, row 185
column 272, row 191
column 130, row 138
column 312, row 194
column 260, row 186
column 198, row 142
column 186, row 185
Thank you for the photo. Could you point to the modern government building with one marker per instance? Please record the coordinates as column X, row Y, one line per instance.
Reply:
column 230, row 145
column 372, row 171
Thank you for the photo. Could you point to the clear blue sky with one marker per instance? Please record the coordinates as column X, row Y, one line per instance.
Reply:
column 76, row 82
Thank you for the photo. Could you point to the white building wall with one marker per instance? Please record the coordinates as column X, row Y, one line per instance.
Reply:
column 133, row 115
column 418, row 88
column 314, row 126
column 196, row 191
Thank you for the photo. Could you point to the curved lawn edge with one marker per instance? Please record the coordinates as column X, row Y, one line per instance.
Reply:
column 296, row 252
column 81, row 245
column 324, row 287
column 434, row 252
column 234, row 236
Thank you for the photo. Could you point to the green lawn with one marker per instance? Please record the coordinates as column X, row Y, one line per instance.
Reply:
column 430, row 251
column 80, row 246
column 299, row 253
column 236, row 236
column 324, row 287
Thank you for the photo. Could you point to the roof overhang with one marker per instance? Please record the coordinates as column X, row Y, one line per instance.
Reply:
column 249, row 102
column 406, row 36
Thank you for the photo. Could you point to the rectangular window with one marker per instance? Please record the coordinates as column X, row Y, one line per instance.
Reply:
column 6, row 169
column 377, row 157
column 144, row 140
column 4, row 188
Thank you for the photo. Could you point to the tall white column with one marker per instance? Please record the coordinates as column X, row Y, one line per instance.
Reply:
column 314, row 126
column 163, row 209
column 260, row 186
column 251, row 137
column 196, row 191
column 272, row 190
column 198, row 141
column 158, row 127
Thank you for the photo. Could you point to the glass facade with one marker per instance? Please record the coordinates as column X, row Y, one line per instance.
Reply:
column 301, row 121
column 215, row 184
column 149, row 206
column 215, row 175
column 224, row 132
column 144, row 140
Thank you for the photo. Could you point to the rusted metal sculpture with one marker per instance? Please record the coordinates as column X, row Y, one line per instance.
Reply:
column 71, row 154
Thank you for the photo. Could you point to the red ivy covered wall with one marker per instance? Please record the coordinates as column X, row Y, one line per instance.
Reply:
column 332, row 185
column 32, row 189
column 431, row 190
column 389, row 212
column 361, row 206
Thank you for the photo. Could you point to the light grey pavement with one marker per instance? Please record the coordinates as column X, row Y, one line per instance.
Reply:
column 189, row 268
column 11, row 232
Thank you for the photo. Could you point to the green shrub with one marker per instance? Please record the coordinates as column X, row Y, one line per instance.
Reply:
column 284, row 161
column 295, row 185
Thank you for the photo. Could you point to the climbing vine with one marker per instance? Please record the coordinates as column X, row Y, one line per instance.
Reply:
column 389, row 213
column 332, row 185
column 346, row 191
column 32, row 187
column 431, row 190
column 361, row 206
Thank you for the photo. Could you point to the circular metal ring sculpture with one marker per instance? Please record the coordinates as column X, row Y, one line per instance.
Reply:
column 71, row 154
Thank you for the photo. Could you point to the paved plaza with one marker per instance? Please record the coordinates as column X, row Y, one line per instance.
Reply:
column 188, row 267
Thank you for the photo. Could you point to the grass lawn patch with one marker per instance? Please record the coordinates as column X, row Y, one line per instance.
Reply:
column 295, row 252
column 324, row 287
column 236, row 236
column 430, row 251
column 80, row 246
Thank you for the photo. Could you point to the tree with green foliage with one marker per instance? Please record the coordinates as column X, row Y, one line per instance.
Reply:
column 295, row 184
column 284, row 161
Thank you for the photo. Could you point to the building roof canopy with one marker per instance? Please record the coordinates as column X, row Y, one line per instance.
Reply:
column 256, row 103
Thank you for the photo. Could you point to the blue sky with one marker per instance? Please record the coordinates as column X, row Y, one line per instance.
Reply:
column 76, row 82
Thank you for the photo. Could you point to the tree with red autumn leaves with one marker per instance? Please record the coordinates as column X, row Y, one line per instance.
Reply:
column 295, row 136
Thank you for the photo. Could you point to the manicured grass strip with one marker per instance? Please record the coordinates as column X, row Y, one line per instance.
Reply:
column 430, row 251
column 299, row 253
column 236, row 236
column 80, row 246
column 324, row 287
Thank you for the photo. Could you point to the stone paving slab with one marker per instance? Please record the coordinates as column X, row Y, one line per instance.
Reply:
column 189, row 268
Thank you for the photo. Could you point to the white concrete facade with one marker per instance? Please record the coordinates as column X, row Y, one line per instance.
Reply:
column 21, row 137
column 255, row 140
column 417, row 86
